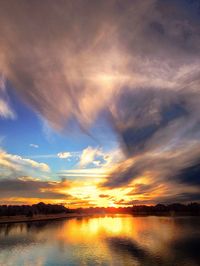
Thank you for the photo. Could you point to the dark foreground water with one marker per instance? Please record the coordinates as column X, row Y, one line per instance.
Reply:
column 110, row 240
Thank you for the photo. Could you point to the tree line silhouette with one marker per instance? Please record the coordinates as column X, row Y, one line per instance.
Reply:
column 45, row 209
column 30, row 210
column 192, row 208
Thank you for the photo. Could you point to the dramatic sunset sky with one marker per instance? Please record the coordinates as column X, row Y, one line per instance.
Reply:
column 99, row 102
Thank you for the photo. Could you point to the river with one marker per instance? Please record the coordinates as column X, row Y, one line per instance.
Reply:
column 102, row 240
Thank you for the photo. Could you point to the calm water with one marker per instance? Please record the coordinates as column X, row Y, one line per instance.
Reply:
column 110, row 240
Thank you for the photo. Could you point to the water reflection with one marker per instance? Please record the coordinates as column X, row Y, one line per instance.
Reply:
column 109, row 240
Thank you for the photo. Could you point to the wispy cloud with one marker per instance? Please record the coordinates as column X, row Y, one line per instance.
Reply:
column 97, row 157
column 74, row 154
column 84, row 173
column 88, row 156
column 64, row 155
column 34, row 145
column 5, row 108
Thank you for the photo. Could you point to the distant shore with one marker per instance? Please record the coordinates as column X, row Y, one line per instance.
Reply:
column 45, row 212
column 49, row 217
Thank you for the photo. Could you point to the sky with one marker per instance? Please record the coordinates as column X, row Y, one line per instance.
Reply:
column 99, row 102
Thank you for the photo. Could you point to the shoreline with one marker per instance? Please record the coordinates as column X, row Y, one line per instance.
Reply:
column 51, row 217
column 37, row 218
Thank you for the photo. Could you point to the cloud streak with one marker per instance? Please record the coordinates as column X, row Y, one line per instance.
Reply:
column 5, row 108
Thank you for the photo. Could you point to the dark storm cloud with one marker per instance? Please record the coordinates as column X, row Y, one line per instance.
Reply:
column 174, row 163
column 27, row 188
column 122, row 175
column 140, row 189
column 190, row 174
column 185, row 197
column 170, row 199
column 142, row 112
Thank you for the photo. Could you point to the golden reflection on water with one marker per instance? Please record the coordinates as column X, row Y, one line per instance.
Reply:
column 136, row 228
column 105, row 240
column 78, row 230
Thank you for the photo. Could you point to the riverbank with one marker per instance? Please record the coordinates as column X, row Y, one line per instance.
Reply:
column 48, row 217
column 40, row 217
